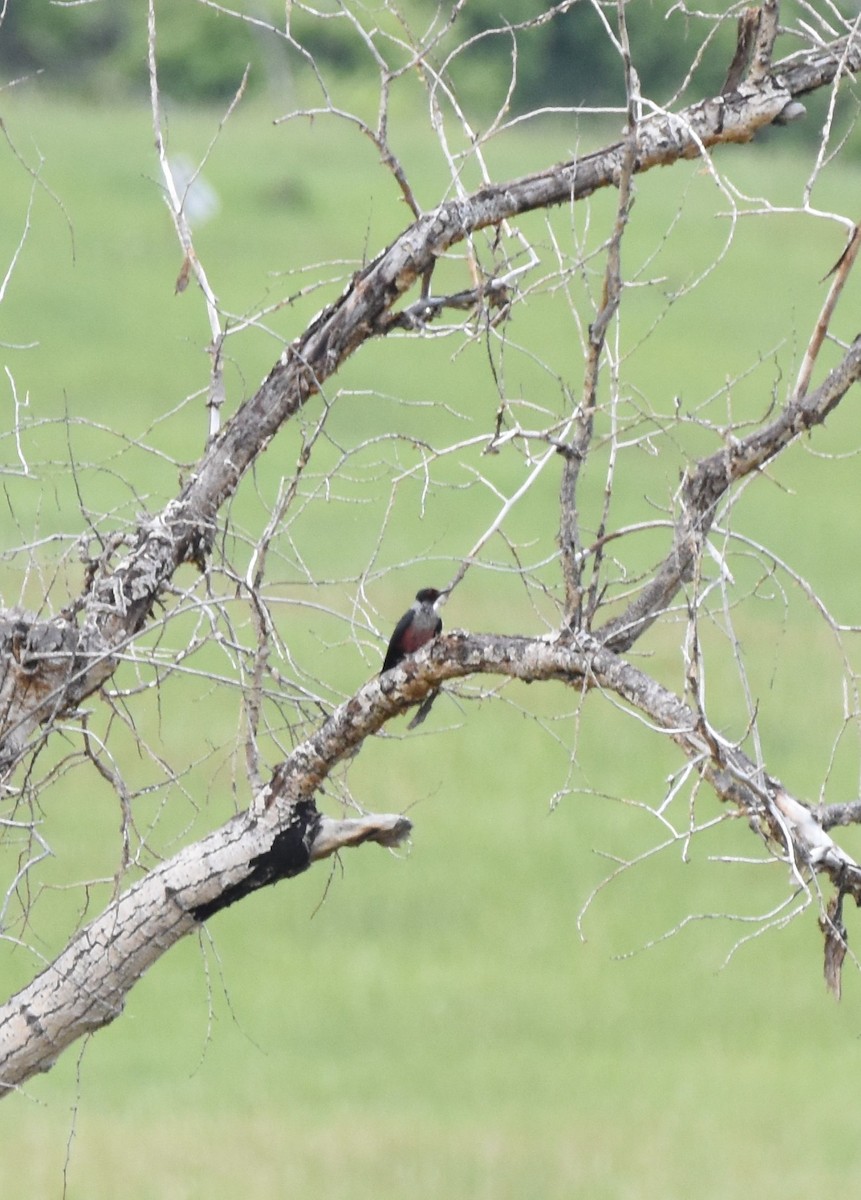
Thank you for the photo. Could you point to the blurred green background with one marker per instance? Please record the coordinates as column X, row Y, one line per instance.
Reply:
column 568, row 60
column 439, row 1021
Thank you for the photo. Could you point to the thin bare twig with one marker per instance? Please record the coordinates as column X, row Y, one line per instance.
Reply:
column 840, row 271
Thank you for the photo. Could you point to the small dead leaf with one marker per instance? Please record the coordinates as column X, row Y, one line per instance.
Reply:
column 182, row 277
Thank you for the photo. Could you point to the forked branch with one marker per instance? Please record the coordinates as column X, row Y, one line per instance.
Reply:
column 706, row 485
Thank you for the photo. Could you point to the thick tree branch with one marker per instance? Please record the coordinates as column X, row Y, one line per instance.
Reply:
column 830, row 816
column 582, row 661
column 86, row 986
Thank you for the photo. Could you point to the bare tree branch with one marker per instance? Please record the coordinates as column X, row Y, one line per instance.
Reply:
column 840, row 271
column 85, row 988
column 705, row 485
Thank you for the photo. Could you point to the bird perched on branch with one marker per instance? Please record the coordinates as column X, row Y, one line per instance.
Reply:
column 416, row 627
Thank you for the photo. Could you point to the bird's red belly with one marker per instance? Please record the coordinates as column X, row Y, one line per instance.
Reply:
column 415, row 638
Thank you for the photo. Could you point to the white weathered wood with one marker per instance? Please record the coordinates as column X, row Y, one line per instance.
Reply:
column 86, row 986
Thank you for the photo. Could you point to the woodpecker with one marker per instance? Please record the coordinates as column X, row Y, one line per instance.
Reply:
column 417, row 626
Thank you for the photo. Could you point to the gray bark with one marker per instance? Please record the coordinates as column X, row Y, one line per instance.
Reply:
column 86, row 986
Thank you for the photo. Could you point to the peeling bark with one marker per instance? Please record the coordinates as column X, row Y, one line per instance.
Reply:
column 85, row 988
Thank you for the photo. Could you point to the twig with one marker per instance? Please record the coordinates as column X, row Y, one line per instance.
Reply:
column 840, row 271
column 175, row 202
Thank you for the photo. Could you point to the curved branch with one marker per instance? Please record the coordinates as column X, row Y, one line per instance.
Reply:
column 283, row 833
column 582, row 661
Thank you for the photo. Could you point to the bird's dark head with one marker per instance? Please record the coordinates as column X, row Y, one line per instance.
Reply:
column 428, row 596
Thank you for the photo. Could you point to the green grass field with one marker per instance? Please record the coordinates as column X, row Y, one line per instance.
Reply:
column 433, row 1024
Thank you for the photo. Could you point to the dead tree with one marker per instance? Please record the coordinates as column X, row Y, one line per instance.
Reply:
column 52, row 668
